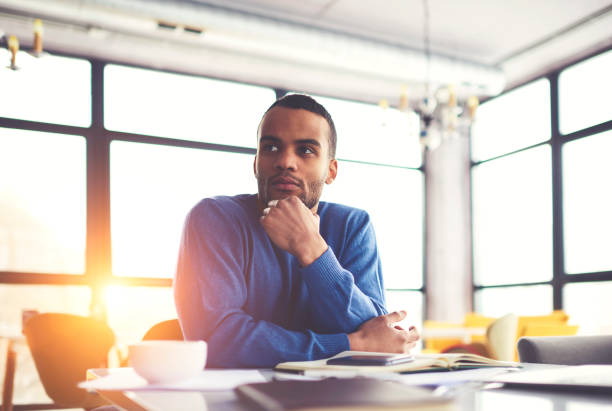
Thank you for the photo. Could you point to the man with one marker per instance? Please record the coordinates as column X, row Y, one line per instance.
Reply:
column 279, row 276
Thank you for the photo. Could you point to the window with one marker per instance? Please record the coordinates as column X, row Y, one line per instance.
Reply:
column 587, row 199
column 541, row 215
column 369, row 133
column 153, row 187
column 42, row 202
column 50, row 89
column 590, row 306
column 517, row 119
column 521, row 300
column 584, row 93
column 182, row 106
column 512, row 218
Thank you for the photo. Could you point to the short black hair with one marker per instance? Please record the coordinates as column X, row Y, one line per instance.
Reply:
column 302, row 101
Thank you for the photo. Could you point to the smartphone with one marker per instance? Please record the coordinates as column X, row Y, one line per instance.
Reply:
column 386, row 359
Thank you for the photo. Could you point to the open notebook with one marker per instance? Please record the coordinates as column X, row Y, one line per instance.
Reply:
column 428, row 362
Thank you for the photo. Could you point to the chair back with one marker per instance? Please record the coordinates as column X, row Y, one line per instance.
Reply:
column 165, row 330
column 63, row 347
column 501, row 336
column 566, row 350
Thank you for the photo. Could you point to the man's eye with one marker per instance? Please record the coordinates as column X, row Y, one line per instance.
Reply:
column 306, row 150
column 269, row 147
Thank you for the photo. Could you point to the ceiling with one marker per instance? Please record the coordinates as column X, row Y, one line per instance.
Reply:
column 361, row 49
column 491, row 32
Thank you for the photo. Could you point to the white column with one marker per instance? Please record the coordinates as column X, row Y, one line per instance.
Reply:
column 449, row 253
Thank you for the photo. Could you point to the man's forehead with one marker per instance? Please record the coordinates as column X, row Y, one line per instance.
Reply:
column 285, row 119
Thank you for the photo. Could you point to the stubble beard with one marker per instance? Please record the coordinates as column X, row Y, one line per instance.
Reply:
column 309, row 197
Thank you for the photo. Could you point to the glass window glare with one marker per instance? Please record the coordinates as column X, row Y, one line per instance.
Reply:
column 512, row 218
column 589, row 306
column 131, row 311
column 587, row 201
column 38, row 91
column 397, row 215
column 43, row 203
column 180, row 106
column 584, row 93
column 152, row 190
column 521, row 300
column 517, row 119
column 369, row 133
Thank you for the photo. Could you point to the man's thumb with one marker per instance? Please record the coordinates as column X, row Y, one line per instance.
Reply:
column 396, row 316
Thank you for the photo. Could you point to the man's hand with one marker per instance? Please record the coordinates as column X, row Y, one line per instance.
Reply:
column 380, row 334
column 294, row 228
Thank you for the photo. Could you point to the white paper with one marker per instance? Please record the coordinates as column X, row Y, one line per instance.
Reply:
column 125, row 379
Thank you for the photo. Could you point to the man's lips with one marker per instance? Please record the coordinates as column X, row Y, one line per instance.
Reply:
column 285, row 183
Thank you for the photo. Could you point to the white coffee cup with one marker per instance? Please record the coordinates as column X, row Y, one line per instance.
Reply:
column 164, row 361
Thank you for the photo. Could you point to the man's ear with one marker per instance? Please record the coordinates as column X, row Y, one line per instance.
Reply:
column 255, row 166
column 332, row 171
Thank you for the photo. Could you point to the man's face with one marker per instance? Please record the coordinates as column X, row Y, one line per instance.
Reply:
column 293, row 156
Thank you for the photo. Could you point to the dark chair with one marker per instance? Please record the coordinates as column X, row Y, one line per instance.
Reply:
column 566, row 350
column 165, row 330
column 63, row 347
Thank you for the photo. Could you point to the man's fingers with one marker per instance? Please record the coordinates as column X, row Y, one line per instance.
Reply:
column 414, row 334
column 395, row 316
column 272, row 203
column 266, row 211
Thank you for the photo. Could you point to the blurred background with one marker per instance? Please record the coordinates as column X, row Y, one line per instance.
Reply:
column 477, row 134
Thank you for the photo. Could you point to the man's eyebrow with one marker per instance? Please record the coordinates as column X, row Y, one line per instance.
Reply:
column 269, row 138
column 308, row 141
column 300, row 141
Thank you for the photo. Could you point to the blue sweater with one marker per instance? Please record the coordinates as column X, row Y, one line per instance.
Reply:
column 254, row 304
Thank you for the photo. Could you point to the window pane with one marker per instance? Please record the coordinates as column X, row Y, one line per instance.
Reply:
column 411, row 302
column 587, row 221
column 517, row 119
column 42, row 202
column 394, row 199
column 132, row 311
column 366, row 132
column 51, row 89
column 512, row 218
column 153, row 188
column 524, row 300
column 182, row 106
column 44, row 298
column 584, row 93
column 589, row 306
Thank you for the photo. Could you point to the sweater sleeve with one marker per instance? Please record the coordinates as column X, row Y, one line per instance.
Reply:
column 210, row 293
column 349, row 285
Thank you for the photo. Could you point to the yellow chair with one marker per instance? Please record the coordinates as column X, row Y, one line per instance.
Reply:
column 437, row 344
column 499, row 341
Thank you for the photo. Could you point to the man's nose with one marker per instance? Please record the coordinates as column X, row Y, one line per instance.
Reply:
column 286, row 160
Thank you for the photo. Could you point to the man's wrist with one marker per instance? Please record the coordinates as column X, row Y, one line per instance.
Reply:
column 312, row 252
column 355, row 341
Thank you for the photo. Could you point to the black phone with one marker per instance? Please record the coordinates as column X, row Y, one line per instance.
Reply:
column 386, row 359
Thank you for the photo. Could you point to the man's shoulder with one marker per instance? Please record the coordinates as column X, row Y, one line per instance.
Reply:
column 342, row 212
column 226, row 207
